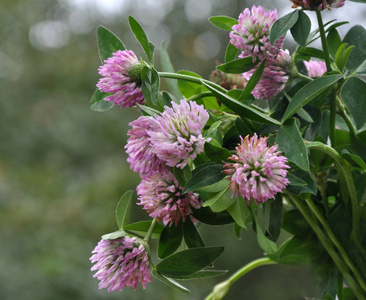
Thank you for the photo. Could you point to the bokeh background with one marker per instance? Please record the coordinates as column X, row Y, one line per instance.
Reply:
column 63, row 166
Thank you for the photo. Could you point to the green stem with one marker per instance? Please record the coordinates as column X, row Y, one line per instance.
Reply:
column 343, row 113
column 341, row 265
column 332, row 116
column 304, row 77
column 192, row 79
column 150, row 231
column 324, row 40
column 336, row 242
column 220, row 290
column 199, row 96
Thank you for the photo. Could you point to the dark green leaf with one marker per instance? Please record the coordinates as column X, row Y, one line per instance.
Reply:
column 282, row 25
column 123, row 209
column 140, row 35
column 240, row 212
column 191, row 235
column 310, row 184
column 295, row 181
column 354, row 159
column 204, row 175
column 189, row 261
column 142, row 227
column 182, row 175
column 98, row 102
column 353, row 91
column 359, row 1
column 216, row 187
column 108, row 43
column 170, row 240
column 216, row 153
column 243, row 110
column 356, row 36
column 334, row 41
column 223, row 22
column 150, row 85
column 212, row 128
column 327, row 297
column 300, row 31
column 250, row 85
column 308, row 92
column 230, row 53
column 312, row 52
column 294, row 222
column 238, row 66
column 169, row 281
column 289, row 140
column 202, row 274
column 167, row 66
column 207, row 216
column 274, row 210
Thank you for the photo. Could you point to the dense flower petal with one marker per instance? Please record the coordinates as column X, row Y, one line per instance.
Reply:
column 276, row 73
column 121, row 262
column 178, row 133
column 258, row 172
column 161, row 196
column 141, row 157
column 119, row 78
column 316, row 68
column 252, row 33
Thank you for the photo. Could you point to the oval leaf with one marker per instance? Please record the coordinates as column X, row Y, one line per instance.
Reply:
column 98, row 102
column 308, row 92
column 108, row 43
column 223, row 22
column 140, row 35
column 170, row 240
column 282, row 25
column 191, row 235
column 142, row 227
column 238, row 66
column 216, row 153
column 300, row 31
column 189, row 261
column 123, row 209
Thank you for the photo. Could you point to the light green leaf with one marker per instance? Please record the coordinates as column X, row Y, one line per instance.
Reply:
column 238, row 66
column 169, row 281
column 282, row 25
column 114, row 235
column 141, row 228
column 239, row 212
column 141, row 37
column 108, row 43
column 98, row 102
column 123, row 209
column 223, row 22
column 250, row 85
column 230, row 53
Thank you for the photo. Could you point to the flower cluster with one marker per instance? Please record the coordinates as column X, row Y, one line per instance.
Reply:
column 251, row 35
column 315, row 68
column 258, row 171
column 121, row 262
column 161, row 196
column 317, row 4
column 122, row 77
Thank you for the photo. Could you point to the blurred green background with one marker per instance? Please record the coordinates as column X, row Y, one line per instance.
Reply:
column 63, row 166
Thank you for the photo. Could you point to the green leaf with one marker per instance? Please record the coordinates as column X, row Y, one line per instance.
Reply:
column 216, row 153
column 207, row 216
column 212, row 128
column 356, row 36
column 243, row 110
column 170, row 240
column 189, row 261
column 273, row 212
column 141, row 37
column 167, row 66
column 266, row 244
column 113, row 235
column 123, row 209
column 204, row 175
column 353, row 158
column 202, row 274
column 98, row 102
column 191, row 235
column 289, row 140
column 142, row 227
column 240, row 212
column 250, row 85
column 150, row 85
column 295, row 181
column 238, row 66
column 359, row 1
column 230, row 53
column 170, row 282
column 108, row 43
column 294, row 222
column 310, row 184
column 187, row 88
column 308, row 92
column 182, row 175
column 334, row 41
column 353, row 91
column 149, row 111
column 223, row 22
column 300, row 31
column 342, row 55
column 361, row 70
column 312, row 52
column 282, row 25
column 223, row 201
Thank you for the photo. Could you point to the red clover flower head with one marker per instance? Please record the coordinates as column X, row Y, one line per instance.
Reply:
column 178, row 133
column 317, row 4
column 276, row 73
column 141, row 157
column 316, row 68
column 252, row 33
column 121, row 262
column 122, row 77
column 161, row 196
column 258, row 171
